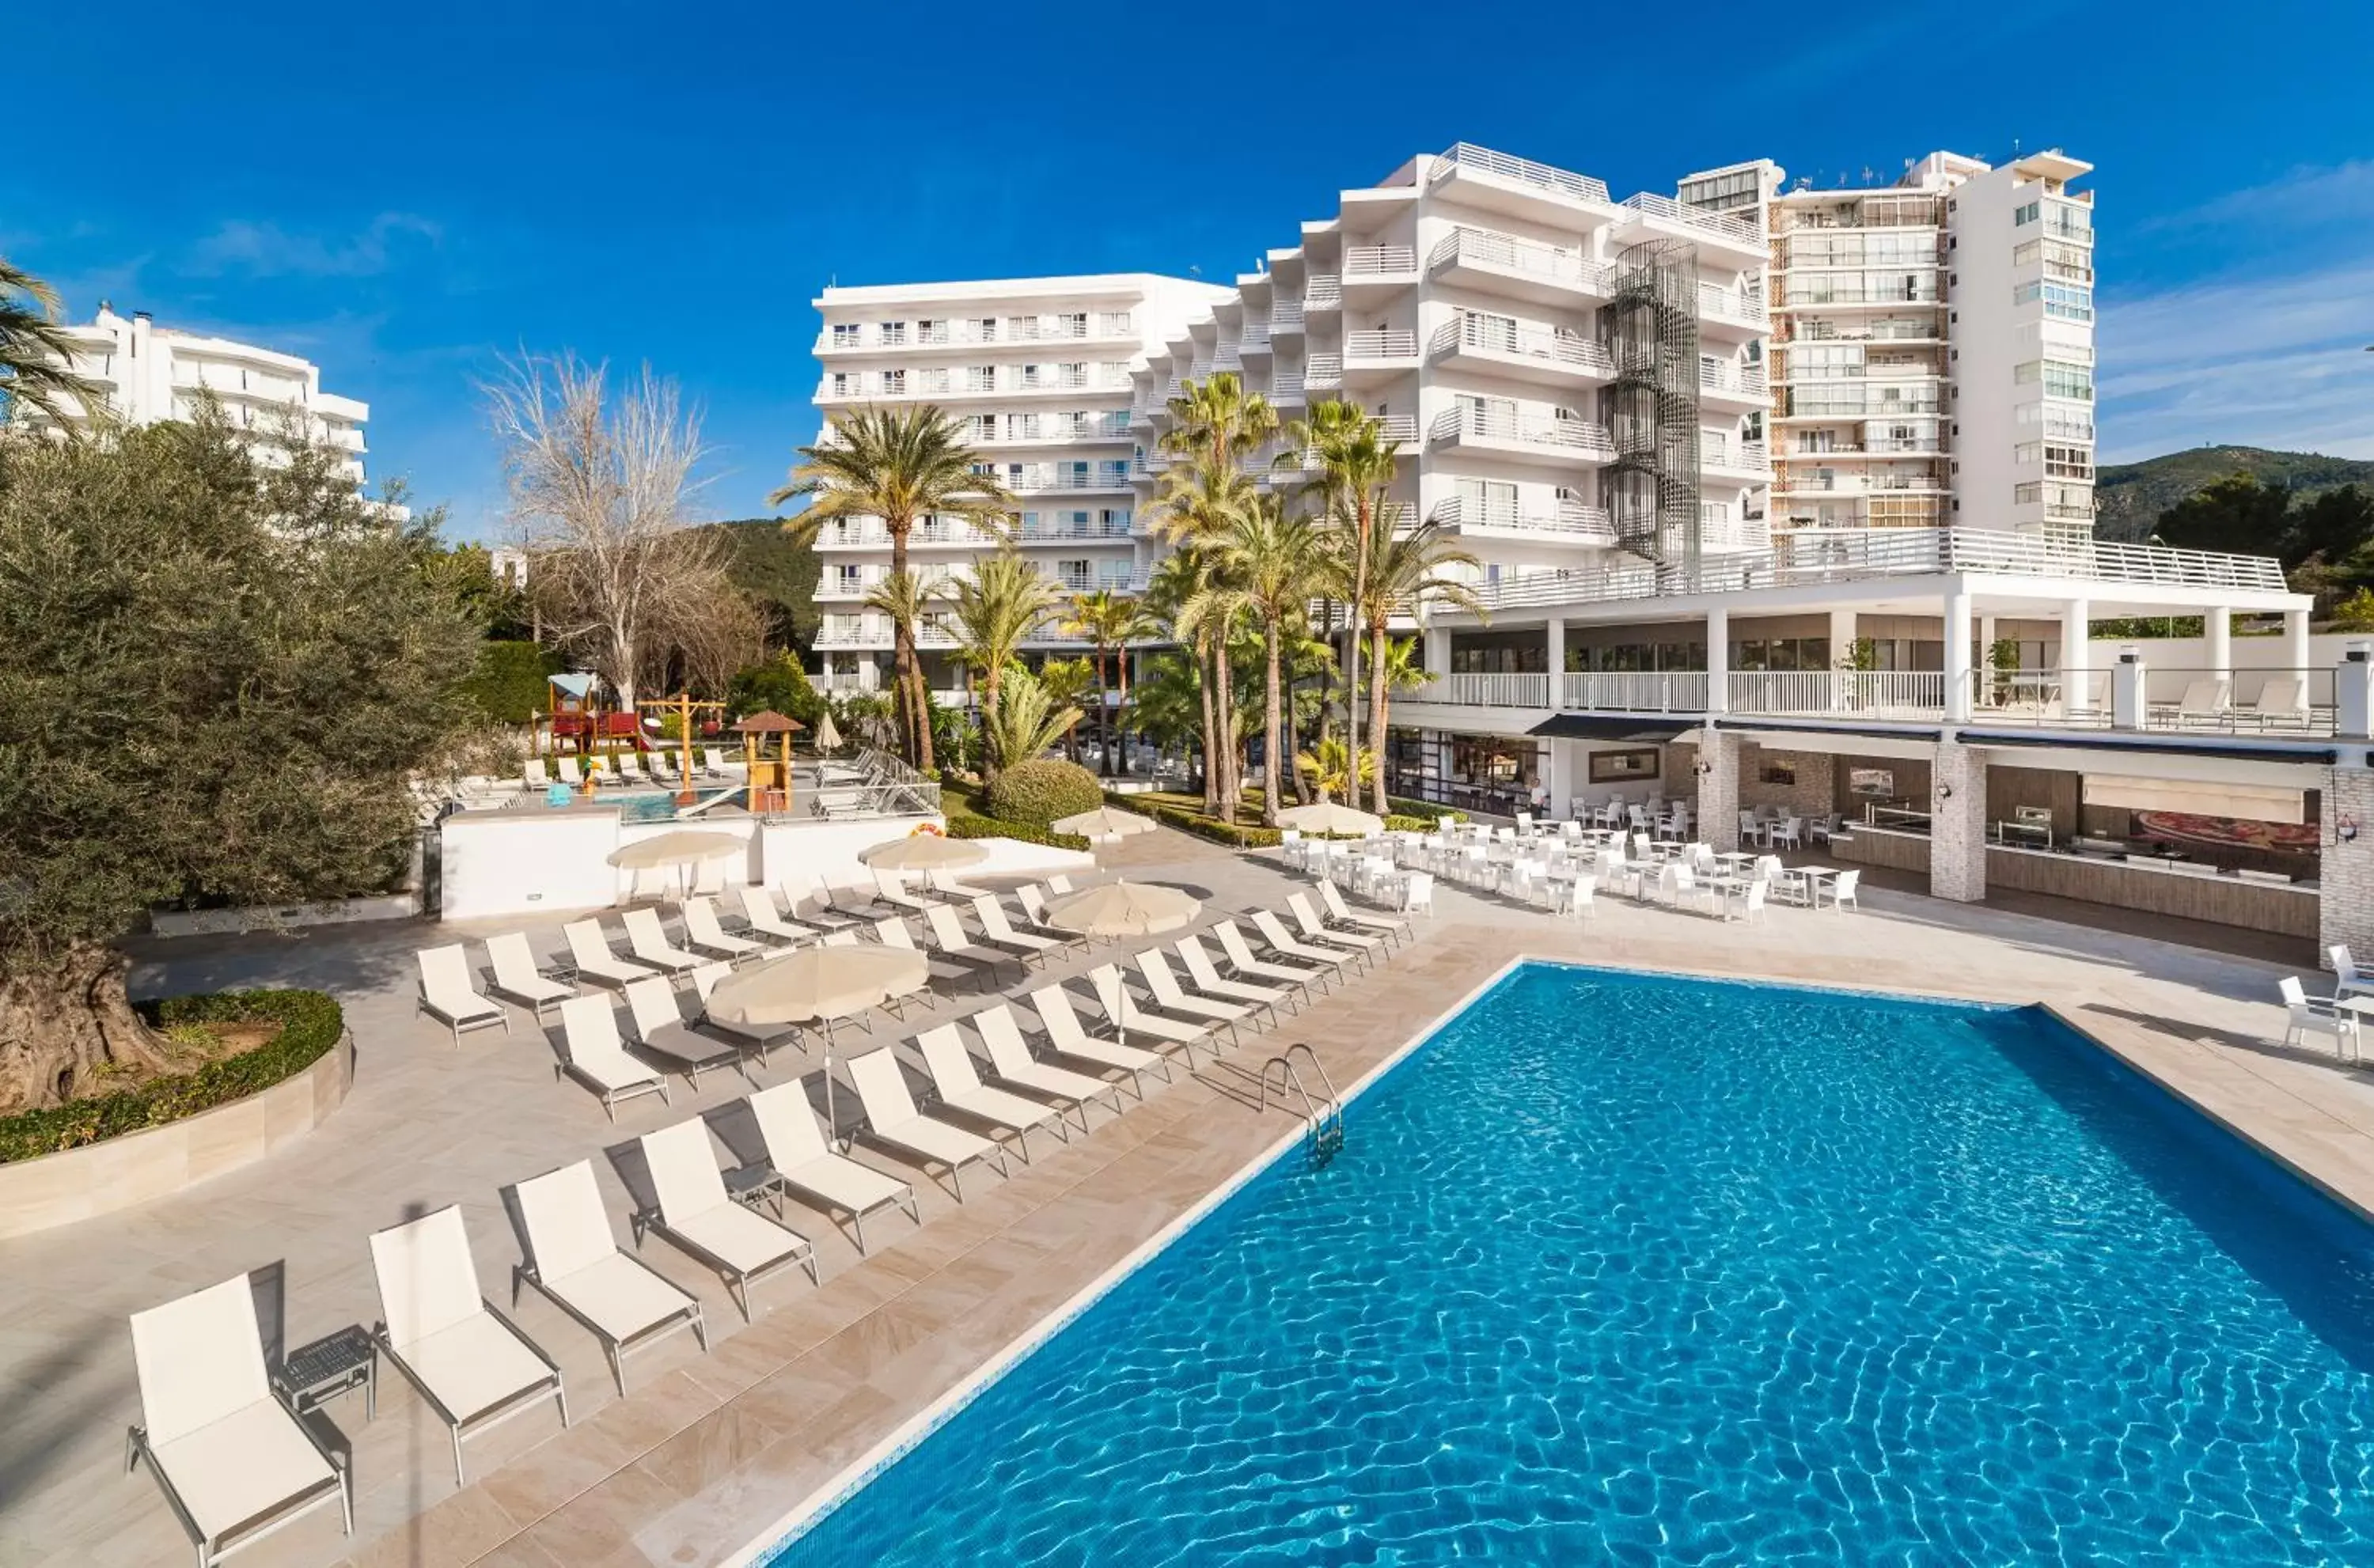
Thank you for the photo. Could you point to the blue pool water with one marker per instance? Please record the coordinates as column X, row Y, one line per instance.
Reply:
column 1621, row 1269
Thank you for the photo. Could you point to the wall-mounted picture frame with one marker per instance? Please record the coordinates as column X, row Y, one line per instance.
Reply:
column 1879, row 783
column 1621, row 767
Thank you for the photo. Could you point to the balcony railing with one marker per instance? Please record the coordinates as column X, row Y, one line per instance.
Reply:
column 1378, row 261
column 1730, row 226
column 1285, row 315
column 1752, row 457
column 1381, row 342
column 1252, row 339
column 1323, row 291
column 1323, row 371
column 1484, row 246
column 1046, row 532
column 1875, row 693
column 1470, row 159
column 1634, row 691
column 1486, row 690
column 1486, row 335
column 1033, row 481
column 1471, row 424
column 1745, row 380
column 1568, row 522
column 1730, row 304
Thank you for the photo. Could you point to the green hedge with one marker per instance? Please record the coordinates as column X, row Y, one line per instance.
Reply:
column 508, row 683
column 1236, row 835
column 1427, row 811
column 311, row 1023
column 1043, row 789
column 969, row 824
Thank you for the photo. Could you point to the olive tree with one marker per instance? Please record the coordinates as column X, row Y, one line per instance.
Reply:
column 217, row 674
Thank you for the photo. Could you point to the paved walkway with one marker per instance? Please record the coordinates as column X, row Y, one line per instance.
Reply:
column 709, row 1451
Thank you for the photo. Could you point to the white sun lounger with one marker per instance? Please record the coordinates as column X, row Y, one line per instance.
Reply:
column 647, row 940
column 1338, row 913
column 759, row 908
column 570, row 773
column 1316, row 931
column 1274, row 932
column 1034, row 905
column 998, row 930
column 703, row 931
column 1011, row 1062
column 949, row 940
column 1172, row 998
column 759, row 1038
column 448, row 995
column 805, row 1163
column 1240, row 958
column 1067, row 1037
column 696, row 1212
column 235, row 1465
column 890, row 888
column 589, row 1032
column 892, row 1120
column 1122, row 1012
column 660, row 1029
column 517, row 978
column 590, row 951
column 1205, row 975
column 532, row 775
column 473, row 1365
column 575, row 1262
column 960, row 1087
column 943, row 881
column 799, row 889
column 892, row 930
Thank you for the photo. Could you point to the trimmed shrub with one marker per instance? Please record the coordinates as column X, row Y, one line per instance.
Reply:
column 967, row 825
column 508, row 683
column 1043, row 789
column 1427, row 811
column 1400, row 823
column 310, row 1024
column 1237, row 836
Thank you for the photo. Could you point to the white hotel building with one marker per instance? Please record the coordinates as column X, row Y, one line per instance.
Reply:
column 152, row 373
column 1890, row 625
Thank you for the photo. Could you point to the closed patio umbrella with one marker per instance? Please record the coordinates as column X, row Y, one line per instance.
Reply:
column 1104, row 823
column 820, row 984
column 828, row 739
column 1329, row 816
column 924, row 852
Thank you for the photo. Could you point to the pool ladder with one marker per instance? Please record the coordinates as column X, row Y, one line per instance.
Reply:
column 1322, row 1115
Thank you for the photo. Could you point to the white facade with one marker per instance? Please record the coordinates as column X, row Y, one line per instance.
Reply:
column 1576, row 382
column 1933, row 348
column 1039, row 371
column 151, row 373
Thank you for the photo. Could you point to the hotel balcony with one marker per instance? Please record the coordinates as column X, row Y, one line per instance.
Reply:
column 1873, row 483
column 1254, row 341
column 1322, row 372
column 933, row 535
column 1380, row 352
column 1523, row 269
column 1053, row 481
column 1480, row 177
column 1323, row 291
column 1746, row 461
column 1373, row 271
column 1567, row 523
column 1730, row 314
column 1539, row 437
column 1524, row 351
column 1740, row 388
column 1285, row 317
column 1094, row 531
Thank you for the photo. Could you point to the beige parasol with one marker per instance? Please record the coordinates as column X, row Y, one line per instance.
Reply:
column 818, row 984
column 924, row 852
column 1104, row 823
column 828, row 739
column 1329, row 816
column 1122, row 909
column 678, row 848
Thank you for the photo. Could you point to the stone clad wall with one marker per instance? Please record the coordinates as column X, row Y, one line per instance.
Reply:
column 2345, row 878
column 1958, row 829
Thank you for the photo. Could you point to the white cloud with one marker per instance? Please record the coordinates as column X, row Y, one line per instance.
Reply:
column 265, row 250
column 2310, row 195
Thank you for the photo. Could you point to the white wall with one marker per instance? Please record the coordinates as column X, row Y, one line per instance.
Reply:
column 528, row 863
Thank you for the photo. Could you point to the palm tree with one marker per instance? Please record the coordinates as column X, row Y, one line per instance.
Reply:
column 1353, row 485
column 997, row 609
column 1029, row 720
column 1066, row 682
column 1167, row 698
column 1216, row 419
column 1199, row 512
column 1328, row 765
column 1174, row 583
column 897, row 464
column 1407, row 567
column 907, row 599
column 36, row 355
column 1277, row 559
column 1106, row 619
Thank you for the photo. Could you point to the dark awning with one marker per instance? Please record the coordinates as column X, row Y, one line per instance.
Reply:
column 1611, row 727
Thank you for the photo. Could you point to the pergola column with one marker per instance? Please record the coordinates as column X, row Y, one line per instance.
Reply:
column 2218, row 644
column 2077, row 658
column 1718, row 664
column 1957, row 653
column 1554, row 637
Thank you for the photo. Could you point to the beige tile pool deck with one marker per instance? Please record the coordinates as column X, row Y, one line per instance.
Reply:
column 710, row 1452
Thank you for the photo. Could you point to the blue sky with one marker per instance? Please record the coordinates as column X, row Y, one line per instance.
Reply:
column 404, row 193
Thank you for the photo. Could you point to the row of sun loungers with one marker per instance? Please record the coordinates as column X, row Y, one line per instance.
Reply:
column 623, row 767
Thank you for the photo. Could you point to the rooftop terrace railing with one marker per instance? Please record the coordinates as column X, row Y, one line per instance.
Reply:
column 1467, row 156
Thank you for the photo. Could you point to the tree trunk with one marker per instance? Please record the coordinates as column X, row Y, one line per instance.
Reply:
column 1352, row 675
column 1211, row 769
column 1376, row 713
column 1120, row 708
column 63, row 1022
column 1224, row 709
column 1104, row 719
column 1271, row 735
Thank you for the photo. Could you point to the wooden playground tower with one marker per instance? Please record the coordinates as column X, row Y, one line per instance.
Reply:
column 683, row 705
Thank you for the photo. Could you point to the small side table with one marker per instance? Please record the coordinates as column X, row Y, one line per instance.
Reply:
column 312, row 1375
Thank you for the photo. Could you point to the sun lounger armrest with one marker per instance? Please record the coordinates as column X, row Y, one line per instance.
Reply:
column 520, row 1334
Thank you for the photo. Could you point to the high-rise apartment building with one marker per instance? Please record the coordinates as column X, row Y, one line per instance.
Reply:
column 152, row 373
column 1933, row 347
column 1038, row 371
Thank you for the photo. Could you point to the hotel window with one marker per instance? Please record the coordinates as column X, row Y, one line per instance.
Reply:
column 2068, row 463
column 1071, row 375
column 2027, row 452
column 847, row 334
column 1022, row 426
column 928, row 331
column 1030, row 378
column 1113, row 519
column 1072, row 325
column 1082, row 424
column 1114, row 323
column 984, row 426
column 894, row 334
column 840, row 383
column 2022, row 217
column 1021, row 329
column 894, row 383
column 2068, row 303
column 2068, row 381
column 2028, row 494
column 931, row 380
column 849, row 579
column 981, row 377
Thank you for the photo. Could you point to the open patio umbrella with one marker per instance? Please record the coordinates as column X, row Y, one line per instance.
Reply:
column 1122, row 909
column 1329, row 816
column 1104, row 823
column 820, row 984
column 924, row 852
column 681, row 849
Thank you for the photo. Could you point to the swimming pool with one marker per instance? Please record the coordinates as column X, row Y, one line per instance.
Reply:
column 1628, row 1268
